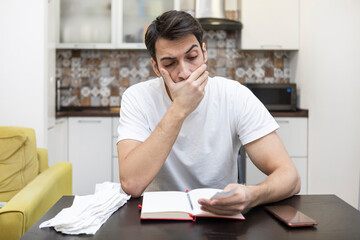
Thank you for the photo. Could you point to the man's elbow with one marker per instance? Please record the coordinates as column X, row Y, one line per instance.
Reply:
column 297, row 183
column 131, row 188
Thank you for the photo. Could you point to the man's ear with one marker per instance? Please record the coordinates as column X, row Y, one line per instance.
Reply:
column 204, row 52
column 155, row 67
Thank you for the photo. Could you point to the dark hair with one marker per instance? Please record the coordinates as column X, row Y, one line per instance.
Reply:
column 172, row 25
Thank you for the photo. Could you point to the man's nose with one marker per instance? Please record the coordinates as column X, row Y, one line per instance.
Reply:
column 183, row 71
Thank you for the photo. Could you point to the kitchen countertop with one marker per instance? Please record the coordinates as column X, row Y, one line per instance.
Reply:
column 297, row 113
column 114, row 112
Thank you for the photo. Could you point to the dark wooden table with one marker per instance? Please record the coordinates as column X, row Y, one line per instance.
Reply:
column 336, row 220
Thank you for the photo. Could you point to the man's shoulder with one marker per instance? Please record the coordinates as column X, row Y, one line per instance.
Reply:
column 148, row 86
column 223, row 84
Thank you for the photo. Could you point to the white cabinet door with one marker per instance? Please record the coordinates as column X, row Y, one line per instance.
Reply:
column 135, row 16
column 293, row 132
column 86, row 24
column 90, row 152
column 301, row 165
column 270, row 24
column 108, row 23
column 115, row 163
column 58, row 142
column 115, row 167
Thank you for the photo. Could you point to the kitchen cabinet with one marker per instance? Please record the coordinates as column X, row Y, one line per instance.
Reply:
column 270, row 24
column 293, row 133
column 90, row 152
column 86, row 24
column 89, row 143
column 115, row 163
column 106, row 24
column 58, row 142
column 135, row 16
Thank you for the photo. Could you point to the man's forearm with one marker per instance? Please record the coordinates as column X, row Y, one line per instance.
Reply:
column 141, row 165
column 282, row 183
column 270, row 156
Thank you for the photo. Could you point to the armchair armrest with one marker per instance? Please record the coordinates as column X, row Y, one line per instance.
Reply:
column 42, row 155
column 34, row 200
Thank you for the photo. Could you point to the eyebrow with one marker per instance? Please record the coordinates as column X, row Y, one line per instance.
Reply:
column 172, row 58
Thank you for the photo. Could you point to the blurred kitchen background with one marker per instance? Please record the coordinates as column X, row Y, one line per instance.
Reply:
column 64, row 65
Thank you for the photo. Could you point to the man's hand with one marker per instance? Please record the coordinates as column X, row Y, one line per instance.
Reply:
column 270, row 156
column 187, row 94
column 232, row 205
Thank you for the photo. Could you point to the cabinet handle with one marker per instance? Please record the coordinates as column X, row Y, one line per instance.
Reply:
column 271, row 46
column 89, row 121
column 283, row 121
column 60, row 122
column 90, row 46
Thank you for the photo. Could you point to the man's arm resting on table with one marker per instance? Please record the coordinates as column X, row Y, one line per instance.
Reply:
column 270, row 156
column 139, row 162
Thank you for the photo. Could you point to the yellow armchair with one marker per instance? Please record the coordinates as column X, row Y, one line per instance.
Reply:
column 27, row 184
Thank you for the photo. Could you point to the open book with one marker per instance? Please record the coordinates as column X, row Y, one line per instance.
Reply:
column 175, row 205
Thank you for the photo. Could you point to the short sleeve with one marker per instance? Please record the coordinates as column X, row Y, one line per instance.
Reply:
column 133, row 123
column 253, row 119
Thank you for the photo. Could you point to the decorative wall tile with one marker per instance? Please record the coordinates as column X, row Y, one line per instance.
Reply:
column 98, row 78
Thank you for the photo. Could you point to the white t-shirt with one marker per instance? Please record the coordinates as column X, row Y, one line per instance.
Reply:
column 206, row 149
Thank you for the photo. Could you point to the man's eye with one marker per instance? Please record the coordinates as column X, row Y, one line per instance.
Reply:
column 169, row 64
column 193, row 58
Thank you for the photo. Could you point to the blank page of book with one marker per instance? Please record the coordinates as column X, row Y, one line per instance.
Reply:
column 172, row 201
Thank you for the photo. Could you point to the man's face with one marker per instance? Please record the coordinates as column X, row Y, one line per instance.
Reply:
column 179, row 57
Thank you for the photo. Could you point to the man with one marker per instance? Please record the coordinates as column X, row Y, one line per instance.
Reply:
column 183, row 130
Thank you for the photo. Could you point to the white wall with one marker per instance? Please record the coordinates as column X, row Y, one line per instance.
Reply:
column 328, row 74
column 23, row 65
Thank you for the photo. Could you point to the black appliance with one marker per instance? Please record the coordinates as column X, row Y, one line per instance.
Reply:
column 275, row 97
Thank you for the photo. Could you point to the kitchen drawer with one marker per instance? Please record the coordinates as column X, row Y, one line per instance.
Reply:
column 255, row 176
column 293, row 133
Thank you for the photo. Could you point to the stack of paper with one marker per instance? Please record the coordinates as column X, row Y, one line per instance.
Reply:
column 88, row 213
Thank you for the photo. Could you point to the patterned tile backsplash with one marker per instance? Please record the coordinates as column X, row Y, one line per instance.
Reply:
column 98, row 78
